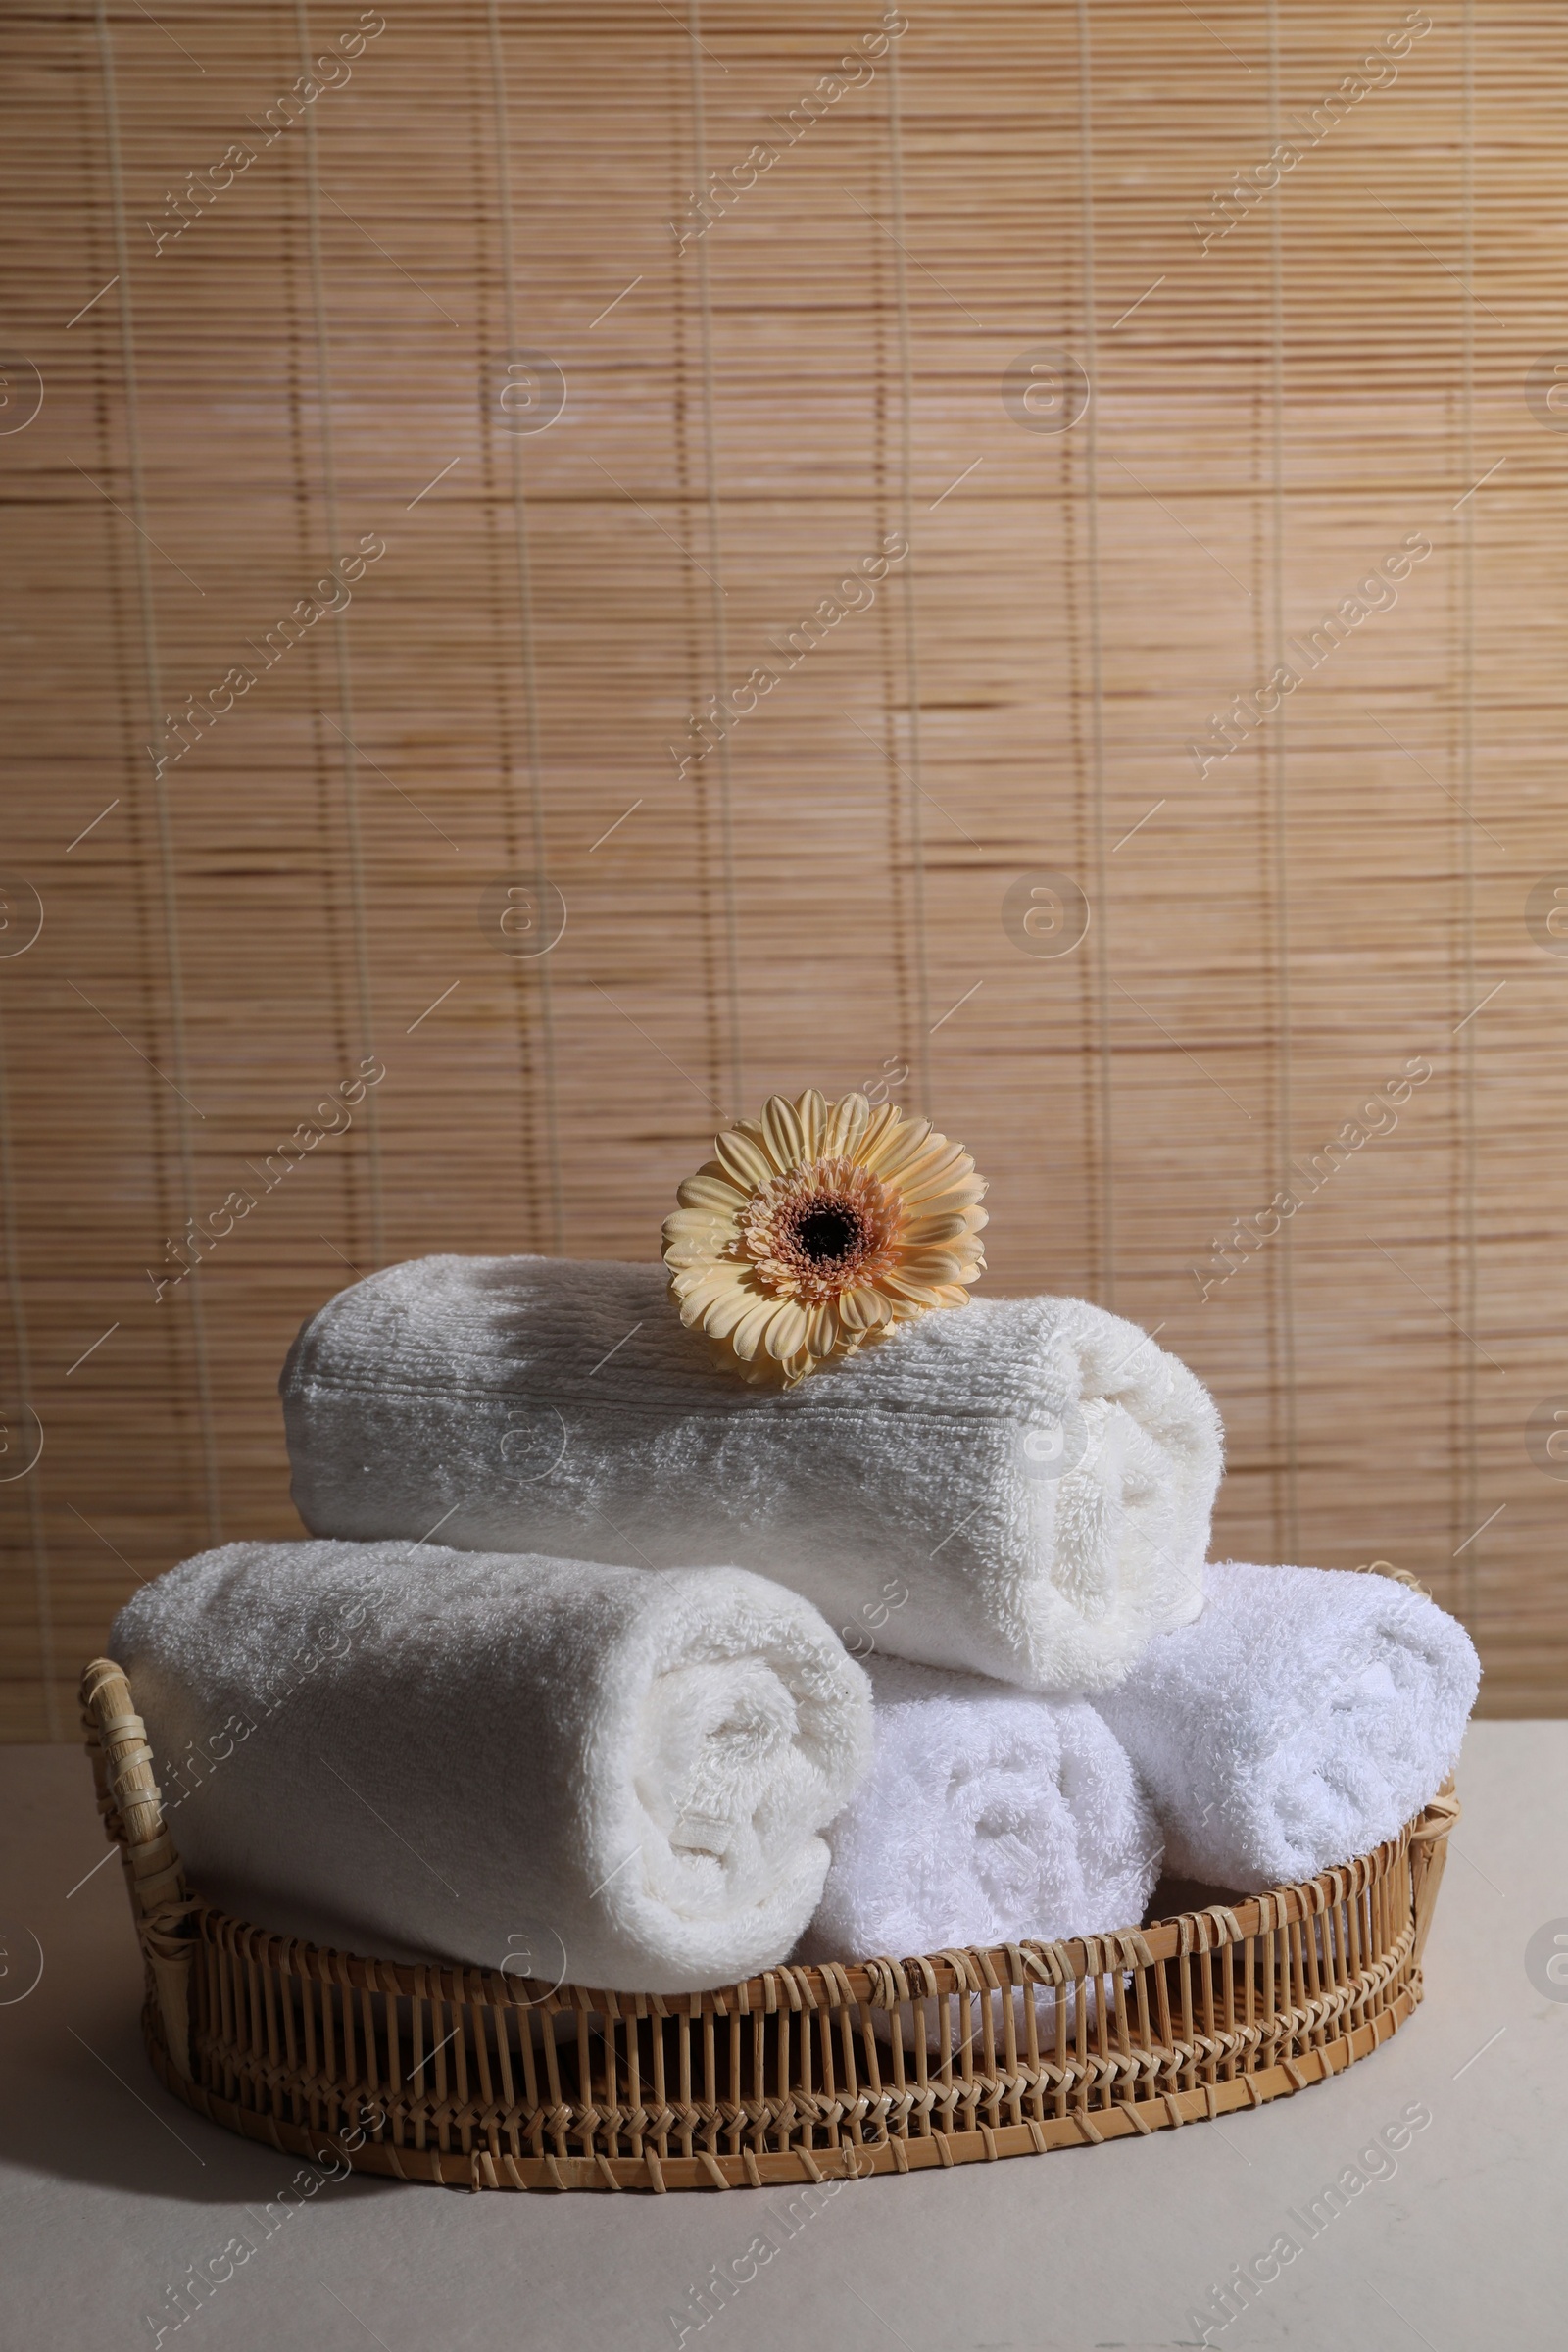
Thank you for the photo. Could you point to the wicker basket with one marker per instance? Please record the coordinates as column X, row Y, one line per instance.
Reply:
column 472, row 2078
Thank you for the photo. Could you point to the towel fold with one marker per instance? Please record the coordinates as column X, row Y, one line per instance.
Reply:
column 577, row 1773
column 990, row 1815
column 1304, row 1717
column 1021, row 1486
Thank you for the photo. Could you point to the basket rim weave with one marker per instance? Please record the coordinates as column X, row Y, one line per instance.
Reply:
column 1234, row 2004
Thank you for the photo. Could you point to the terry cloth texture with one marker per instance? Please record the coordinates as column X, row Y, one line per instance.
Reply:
column 991, row 1816
column 1018, row 1487
column 1305, row 1716
column 573, row 1772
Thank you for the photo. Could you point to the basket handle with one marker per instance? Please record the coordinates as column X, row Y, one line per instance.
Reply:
column 133, row 1807
column 1429, row 1854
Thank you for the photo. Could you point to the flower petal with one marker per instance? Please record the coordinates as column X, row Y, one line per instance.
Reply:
column 940, row 1163
column 747, row 1335
column 927, row 1229
column 761, row 1374
column 875, row 1132
column 906, row 1297
column 784, row 1135
column 822, row 1328
column 699, row 1224
column 682, row 1277
column 712, row 1188
column 812, row 1113
column 688, row 1258
column 727, row 1308
column 960, row 1192
column 846, row 1123
column 899, row 1148
column 925, row 1267
column 862, row 1311
column 786, row 1334
column 743, row 1160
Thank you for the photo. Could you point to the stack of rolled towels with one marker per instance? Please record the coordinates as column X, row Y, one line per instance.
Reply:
column 605, row 1668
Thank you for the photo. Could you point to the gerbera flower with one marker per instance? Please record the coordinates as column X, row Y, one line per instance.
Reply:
column 820, row 1226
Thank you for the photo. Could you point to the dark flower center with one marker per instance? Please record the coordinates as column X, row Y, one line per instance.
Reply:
column 826, row 1234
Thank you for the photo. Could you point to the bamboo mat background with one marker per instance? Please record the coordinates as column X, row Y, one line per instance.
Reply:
column 837, row 368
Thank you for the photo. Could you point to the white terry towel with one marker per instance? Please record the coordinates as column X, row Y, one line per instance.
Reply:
column 1021, row 1487
column 1305, row 1716
column 991, row 1816
column 575, row 1772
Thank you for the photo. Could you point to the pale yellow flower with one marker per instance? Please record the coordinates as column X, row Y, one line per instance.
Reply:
column 818, row 1227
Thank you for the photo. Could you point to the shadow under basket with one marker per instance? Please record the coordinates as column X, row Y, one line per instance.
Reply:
column 476, row 2079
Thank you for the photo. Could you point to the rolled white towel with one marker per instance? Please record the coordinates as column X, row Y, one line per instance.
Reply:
column 990, row 1815
column 571, row 1772
column 1022, row 1488
column 1304, row 1717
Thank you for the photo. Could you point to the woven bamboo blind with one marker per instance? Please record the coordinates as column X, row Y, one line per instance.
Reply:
column 441, row 405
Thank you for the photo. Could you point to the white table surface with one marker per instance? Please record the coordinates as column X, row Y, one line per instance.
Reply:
column 109, row 2190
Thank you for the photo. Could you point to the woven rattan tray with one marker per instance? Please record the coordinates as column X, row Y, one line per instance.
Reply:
column 474, row 2078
